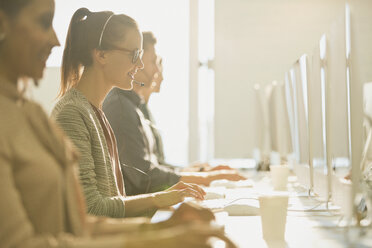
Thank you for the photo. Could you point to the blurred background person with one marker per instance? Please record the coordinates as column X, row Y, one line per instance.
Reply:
column 146, row 92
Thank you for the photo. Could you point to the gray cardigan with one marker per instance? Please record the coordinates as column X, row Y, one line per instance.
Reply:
column 77, row 118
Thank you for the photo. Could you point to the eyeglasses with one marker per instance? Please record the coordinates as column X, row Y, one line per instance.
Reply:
column 136, row 54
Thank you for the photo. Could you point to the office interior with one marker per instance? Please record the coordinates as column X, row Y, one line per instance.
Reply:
column 256, row 83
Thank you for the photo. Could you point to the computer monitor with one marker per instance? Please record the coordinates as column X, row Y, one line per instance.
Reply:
column 338, row 111
column 351, row 60
column 272, row 117
column 329, row 115
column 290, row 111
column 261, row 151
column 299, row 78
column 281, row 143
column 317, row 121
column 338, row 98
column 367, row 100
column 366, row 165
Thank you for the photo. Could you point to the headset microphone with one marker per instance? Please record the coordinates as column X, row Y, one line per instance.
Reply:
column 139, row 83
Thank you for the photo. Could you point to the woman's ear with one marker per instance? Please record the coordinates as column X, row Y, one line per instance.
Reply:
column 100, row 56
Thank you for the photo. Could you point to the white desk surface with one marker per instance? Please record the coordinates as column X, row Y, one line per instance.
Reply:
column 245, row 231
column 303, row 229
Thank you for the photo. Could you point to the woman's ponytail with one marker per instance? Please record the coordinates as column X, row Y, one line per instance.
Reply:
column 71, row 63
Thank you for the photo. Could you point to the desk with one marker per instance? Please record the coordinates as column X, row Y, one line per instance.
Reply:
column 302, row 232
column 303, row 229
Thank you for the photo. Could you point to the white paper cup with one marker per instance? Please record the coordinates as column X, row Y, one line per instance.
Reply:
column 279, row 176
column 273, row 211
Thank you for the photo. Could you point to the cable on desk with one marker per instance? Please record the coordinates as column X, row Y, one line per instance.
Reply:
column 314, row 197
column 308, row 209
column 243, row 198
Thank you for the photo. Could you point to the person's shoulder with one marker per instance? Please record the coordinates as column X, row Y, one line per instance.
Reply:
column 116, row 98
column 11, row 116
column 73, row 118
column 115, row 95
column 72, row 103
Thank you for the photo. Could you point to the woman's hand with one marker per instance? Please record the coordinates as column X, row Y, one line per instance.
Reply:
column 196, row 235
column 173, row 196
column 190, row 212
column 348, row 176
column 182, row 185
column 221, row 167
column 197, row 167
column 205, row 178
column 231, row 175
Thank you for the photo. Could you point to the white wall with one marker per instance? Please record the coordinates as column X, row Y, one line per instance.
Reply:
column 256, row 42
column 46, row 92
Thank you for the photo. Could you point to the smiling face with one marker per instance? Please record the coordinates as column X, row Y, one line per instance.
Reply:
column 119, row 68
column 29, row 39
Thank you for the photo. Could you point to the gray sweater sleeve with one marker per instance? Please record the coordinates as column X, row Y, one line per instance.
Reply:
column 132, row 149
column 72, row 121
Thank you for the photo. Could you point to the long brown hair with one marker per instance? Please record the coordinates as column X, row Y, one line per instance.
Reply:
column 12, row 7
column 83, row 37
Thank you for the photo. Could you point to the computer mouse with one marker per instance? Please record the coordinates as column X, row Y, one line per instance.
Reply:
column 239, row 209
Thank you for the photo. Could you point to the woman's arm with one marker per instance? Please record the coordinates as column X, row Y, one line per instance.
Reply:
column 72, row 122
column 205, row 178
column 176, row 194
column 186, row 213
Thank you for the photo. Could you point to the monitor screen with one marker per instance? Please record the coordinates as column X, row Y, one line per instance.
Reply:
column 317, row 120
column 338, row 105
column 299, row 85
column 281, row 142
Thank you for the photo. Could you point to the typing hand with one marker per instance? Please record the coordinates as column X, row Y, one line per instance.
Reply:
column 197, row 167
column 220, row 167
column 183, row 236
column 199, row 235
column 182, row 185
column 173, row 196
column 190, row 212
column 231, row 175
